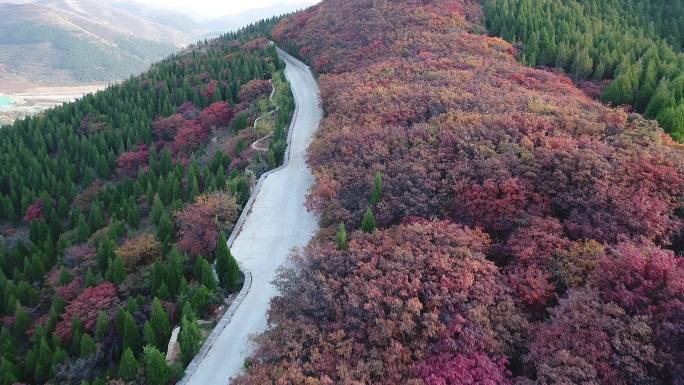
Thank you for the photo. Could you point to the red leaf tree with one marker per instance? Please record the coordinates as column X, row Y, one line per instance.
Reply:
column 165, row 128
column 190, row 137
column 199, row 223
column 34, row 211
column 218, row 114
column 416, row 290
column 86, row 307
column 130, row 162
column 253, row 90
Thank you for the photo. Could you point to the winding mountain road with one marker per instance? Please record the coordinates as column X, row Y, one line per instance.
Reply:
column 276, row 223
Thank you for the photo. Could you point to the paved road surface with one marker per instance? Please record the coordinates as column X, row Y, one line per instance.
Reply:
column 277, row 222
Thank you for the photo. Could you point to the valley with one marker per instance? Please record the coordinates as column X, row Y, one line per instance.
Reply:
column 18, row 102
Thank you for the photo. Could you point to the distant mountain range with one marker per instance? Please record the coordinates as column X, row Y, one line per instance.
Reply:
column 62, row 42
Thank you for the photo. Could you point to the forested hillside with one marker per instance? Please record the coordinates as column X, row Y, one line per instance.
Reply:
column 114, row 208
column 637, row 43
column 483, row 222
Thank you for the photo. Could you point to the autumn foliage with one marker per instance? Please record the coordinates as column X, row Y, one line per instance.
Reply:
column 86, row 307
column 217, row 114
column 141, row 250
column 579, row 207
column 34, row 211
column 199, row 222
column 254, row 89
column 131, row 161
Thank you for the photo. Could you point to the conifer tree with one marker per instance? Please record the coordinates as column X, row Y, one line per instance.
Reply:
column 227, row 267
column 148, row 334
column 161, row 325
column 189, row 338
column 341, row 237
column 128, row 366
column 82, row 229
column 368, row 223
column 174, row 270
column 376, row 195
column 90, row 279
column 157, row 372
column 204, row 274
column 101, row 325
column 131, row 335
column 88, row 346
column 165, row 229
column 95, row 219
column 117, row 271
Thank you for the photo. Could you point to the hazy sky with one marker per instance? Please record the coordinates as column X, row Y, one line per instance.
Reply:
column 215, row 8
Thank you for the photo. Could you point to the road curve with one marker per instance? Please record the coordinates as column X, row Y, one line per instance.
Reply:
column 276, row 223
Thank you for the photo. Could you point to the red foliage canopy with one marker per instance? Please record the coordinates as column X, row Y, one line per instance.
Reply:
column 579, row 200
column 86, row 307
column 165, row 128
column 197, row 231
column 34, row 211
column 217, row 114
column 190, row 137
column 254, row 89
column 417, row 290
column 130, row 162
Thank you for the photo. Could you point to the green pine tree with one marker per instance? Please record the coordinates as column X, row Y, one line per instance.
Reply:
column 226, row 266
column 148, row 334
column 128, row 366
column 368, row 223
column 376, row 194
column 205, row 274
column 82, row 229
column 117, row 271
column 189, row 338
column 131, row 335
column 88, row 346
column 341, row 237
column 157, row 372
column 161, row 325
column 90, row 278
column 102, row 325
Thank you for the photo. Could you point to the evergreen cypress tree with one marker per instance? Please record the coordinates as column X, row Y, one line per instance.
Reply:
column 157, row 372
column 102, row 325
column 341, row 237
column 376, row 195
column 96, row 219
column 128, row 366
column 88, row 346
column 227, row 267
column 161, row 325
column 165, row 229
column 117, row 271
column 90, row 279
column 82, row 229
column 205, row 274
column 131, row 335
column 174, row 270
column 148, row 334
column 189, row 338
column 368, row 223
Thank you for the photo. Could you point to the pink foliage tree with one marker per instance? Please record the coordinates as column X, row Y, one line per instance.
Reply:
column 130, row 162
column 86, row 307
column 197, row 230
column 217, row 114
column 190, row 137
column 34, row 211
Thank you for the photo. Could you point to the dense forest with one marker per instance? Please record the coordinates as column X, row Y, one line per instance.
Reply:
column 483, row 222
column 635, row 43
column 115, row 209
